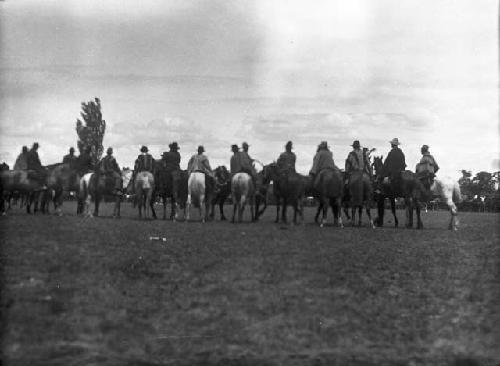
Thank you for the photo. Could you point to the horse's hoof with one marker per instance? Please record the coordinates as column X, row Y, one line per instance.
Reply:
column 223, row 218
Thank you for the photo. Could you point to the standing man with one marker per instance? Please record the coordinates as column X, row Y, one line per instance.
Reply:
column 394, row 164
column 287, row 159
column 110, row 169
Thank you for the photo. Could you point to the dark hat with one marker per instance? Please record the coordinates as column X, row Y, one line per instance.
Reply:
column 244, row 144
column 289, row 144
column 394, row 141
column 356, row 144
column 174, row 146
column 425, row 148
column 201, row 148
column 144, row 149
column 234, row 147
column 35, row 145
column 109, row 151
column 323, row 145
column 71, row 149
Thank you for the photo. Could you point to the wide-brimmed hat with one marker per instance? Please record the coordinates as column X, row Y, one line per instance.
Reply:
column 394, row 141
column 234, row 147
column 109, row 151
column 201, row 148
column 356, row 144
column 289, row 144
column 244, row 144
column 144, row 149
column 174, row 146
column 425, row 148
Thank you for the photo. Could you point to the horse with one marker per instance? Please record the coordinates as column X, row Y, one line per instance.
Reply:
column 173, row 185
column 346, row 199
column 447, row 189
column 406, row 188
column 144, row 187
column 261, row 190
column 360, row 190
column 96, row 186
column 24, row 182
column 243, row 191
column 222, row 190
column 289, row 187
column 328, row 187
column 199, row 194
column 62, row 178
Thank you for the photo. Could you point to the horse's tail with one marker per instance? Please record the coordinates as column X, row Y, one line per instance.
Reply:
column 457, row 195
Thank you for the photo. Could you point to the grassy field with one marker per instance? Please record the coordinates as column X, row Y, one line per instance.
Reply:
column 98, row 291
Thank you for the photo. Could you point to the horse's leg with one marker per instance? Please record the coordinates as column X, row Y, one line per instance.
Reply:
column 369, row 213
column 454, row 222
column 409, row 212
column 324, row 205
column 221, row 210
column 339, row 212
column 241, row 208
column 163, row 196
column 318, row 211
column 360, row 213
column 202, row 208
column 393, row 210
column 277, row 208
column 283, row 211
column 235, row 207
column 252, row 209
column 188, row 207
column 420, row 225
column 353, row 215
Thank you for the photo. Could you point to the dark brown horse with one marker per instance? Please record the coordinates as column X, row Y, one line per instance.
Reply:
column 171, row 184
column 24, row 182
column 62, row 179
column 222, row 190
column 361, row 192
column 328, row 187
column 406, row 187
column 288, row 189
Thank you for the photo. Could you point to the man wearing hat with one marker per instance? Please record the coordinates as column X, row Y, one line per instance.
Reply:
column 286, row 160
column 143, row 163
column 70, row 158
column 200, row 163
column 110, row 169
column 427, row 164
column 355, row 161
column 322, row 160
column 394, row 164
column 172, row 158
column 22, row 160
column 247, row 162
column 235, row 162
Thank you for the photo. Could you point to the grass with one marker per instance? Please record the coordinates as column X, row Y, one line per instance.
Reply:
column 97, row 291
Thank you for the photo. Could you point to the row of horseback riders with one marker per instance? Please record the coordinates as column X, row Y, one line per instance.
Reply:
column 358, row 161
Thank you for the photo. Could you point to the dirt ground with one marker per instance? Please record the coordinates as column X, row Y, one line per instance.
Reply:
column 98, row 291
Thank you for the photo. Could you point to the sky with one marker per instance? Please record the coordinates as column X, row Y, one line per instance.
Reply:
column 218, row 73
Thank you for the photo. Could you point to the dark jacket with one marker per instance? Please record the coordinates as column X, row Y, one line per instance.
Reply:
column 395, row 162
column 33, row 160
column 144, row 163
column 70, row 159
column 109, row 164
column 322, row 160
column 172, row 160
column 286, row 162
column 85, row 163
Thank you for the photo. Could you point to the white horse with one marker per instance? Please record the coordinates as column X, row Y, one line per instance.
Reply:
column 197, row 195
column 94, row 187
column 243, row 191
column 144, row 187
column 448, row 190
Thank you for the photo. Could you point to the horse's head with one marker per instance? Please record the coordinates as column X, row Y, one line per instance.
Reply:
column 270, row 172
column 222, row 174
column 378, row 165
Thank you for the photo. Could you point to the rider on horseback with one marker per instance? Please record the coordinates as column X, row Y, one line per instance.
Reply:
column 109, row 167
column 143, row 163
column 355, row 161
column 70, row 159
column 34, row 164
column 241, row 162
column 199, row 163
column 394, row 164
column 286, row 160
column 22, row 160
column 322, row 160
column 427, row 167
column 84, row 162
